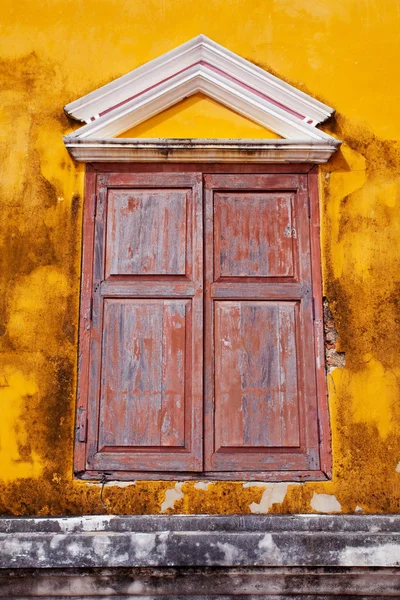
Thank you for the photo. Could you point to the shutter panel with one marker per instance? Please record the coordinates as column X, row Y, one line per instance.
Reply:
column 260, row 364
column 145, row 384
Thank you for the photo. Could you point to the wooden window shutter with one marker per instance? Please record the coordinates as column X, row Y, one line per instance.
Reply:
column 146, row 352
column 260, row 362
column 144, row 381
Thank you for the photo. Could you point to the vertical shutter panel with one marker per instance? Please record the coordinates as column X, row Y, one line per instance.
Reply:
column 261, row 402
column 145, row 389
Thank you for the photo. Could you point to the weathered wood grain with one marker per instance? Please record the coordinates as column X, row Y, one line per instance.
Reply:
column 154, row 287
column 145, row 381
column 255, row 375
column 274, row 290
column 141, row 337
column 253, row 235
column 146, row 232
column 261, row 402
column 143, row 376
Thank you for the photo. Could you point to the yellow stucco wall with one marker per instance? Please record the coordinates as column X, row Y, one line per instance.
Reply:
column 344, row 53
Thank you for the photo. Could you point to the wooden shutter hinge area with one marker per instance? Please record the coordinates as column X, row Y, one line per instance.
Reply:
column 314, row 459
column 81, row 425
column 290, row 232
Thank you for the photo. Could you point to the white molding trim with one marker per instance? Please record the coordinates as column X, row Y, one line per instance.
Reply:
column 203, row 66
column 198, row 79
column 200, row 51
column 198, row 150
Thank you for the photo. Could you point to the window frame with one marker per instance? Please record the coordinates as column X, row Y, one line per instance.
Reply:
column 93, row 174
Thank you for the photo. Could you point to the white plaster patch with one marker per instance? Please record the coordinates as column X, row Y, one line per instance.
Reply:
column 202, row 485
column 254, row 484
column 120, row 484
column 120, row 560
column 171, row 496
column 56, row 540
column 387, row 555
column 162, row 547
column 103, row 548
column 101, row 545
column 41, row 554
column 87, row 523
column 136, row 587
column 144, row 544
column 232, row 555
column 274, row 493
column 398, row 467
column 16, row 548
column 269, row 551
column 358, row 509
column 325, row 503
column 73, row 549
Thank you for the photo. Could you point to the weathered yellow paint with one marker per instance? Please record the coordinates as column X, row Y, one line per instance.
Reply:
column 15, row 458
column 30, row 298
column 342, row 183
column 378, row 389
column 342, row 53
column 199, row 117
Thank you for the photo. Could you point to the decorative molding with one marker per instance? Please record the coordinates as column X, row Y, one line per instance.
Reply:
column 200, row 65
column 203, row 55
column 198, row 150
column 199, row 78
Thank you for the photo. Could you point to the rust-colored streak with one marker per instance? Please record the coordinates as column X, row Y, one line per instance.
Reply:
column 253, row 235
column 146, row 232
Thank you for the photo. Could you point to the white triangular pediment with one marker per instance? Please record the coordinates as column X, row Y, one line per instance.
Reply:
column 198, row 66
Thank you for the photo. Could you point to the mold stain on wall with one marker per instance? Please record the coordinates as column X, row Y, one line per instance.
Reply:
column 41, row 194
